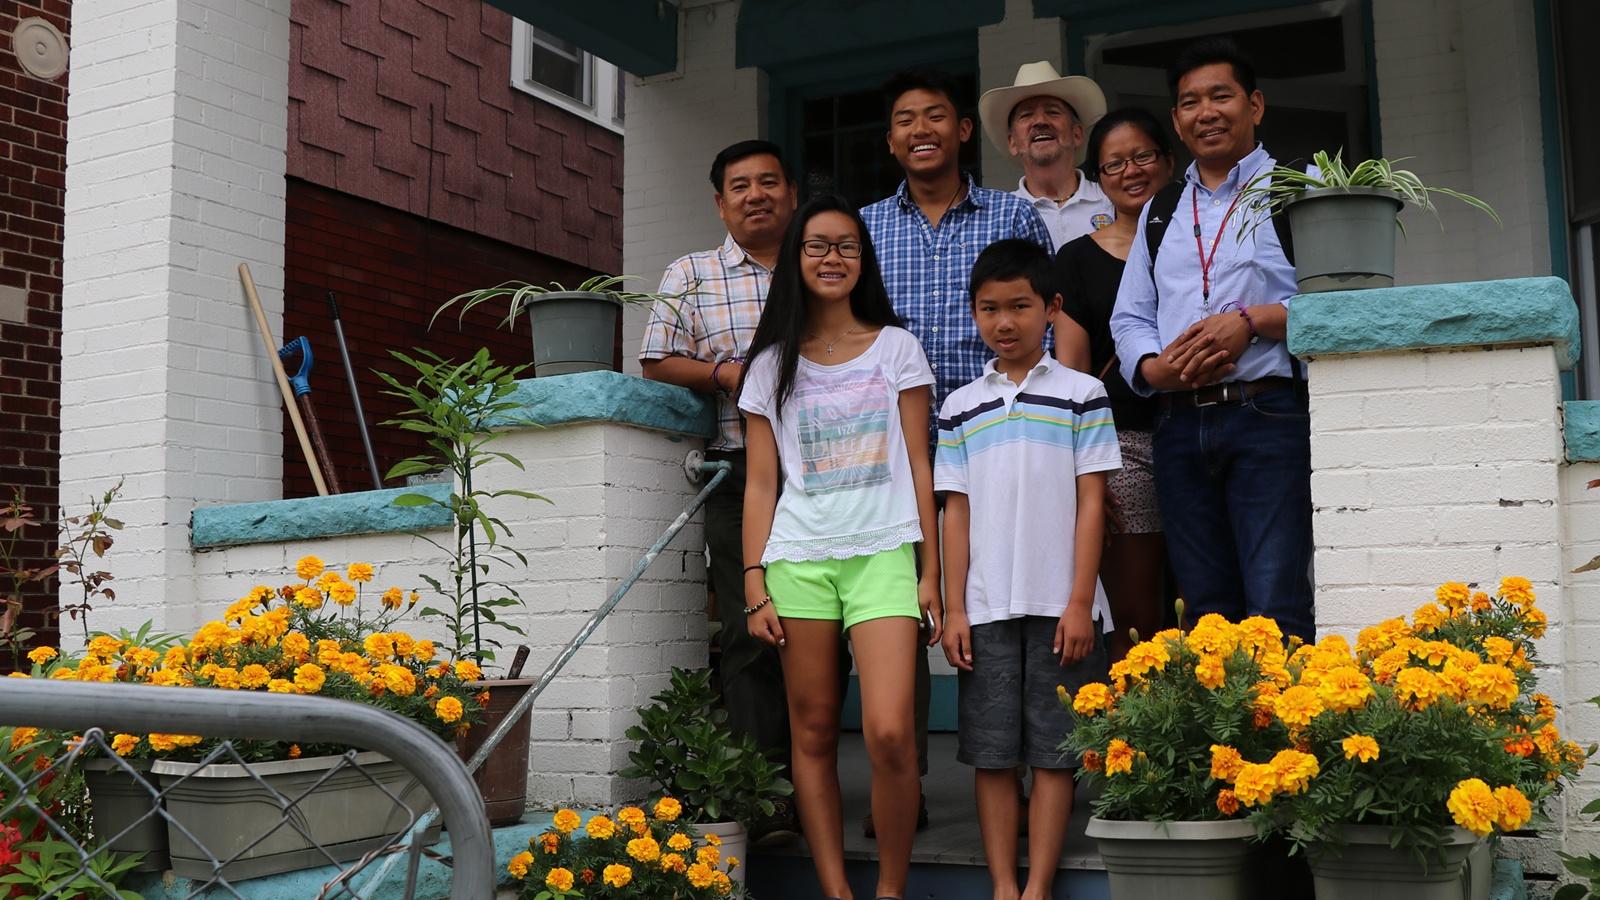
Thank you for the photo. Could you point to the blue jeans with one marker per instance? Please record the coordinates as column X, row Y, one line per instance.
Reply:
column 1234, row 484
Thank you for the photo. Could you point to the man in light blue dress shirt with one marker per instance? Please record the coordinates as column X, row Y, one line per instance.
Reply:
column 1204, row 329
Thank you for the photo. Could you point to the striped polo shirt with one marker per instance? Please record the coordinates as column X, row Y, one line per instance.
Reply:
column 1016, row 451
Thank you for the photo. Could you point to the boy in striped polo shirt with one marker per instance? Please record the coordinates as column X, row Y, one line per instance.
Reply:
column 1023, row 455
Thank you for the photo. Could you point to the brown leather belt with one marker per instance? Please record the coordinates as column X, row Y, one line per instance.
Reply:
column 1228, row 392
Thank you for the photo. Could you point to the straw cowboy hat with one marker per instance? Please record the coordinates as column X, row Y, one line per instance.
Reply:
column 1036, row 79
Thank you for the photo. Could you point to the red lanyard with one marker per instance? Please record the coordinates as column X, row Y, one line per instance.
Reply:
column 1205, row 260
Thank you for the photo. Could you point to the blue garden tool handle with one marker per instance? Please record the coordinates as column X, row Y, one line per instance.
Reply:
column 301, row 380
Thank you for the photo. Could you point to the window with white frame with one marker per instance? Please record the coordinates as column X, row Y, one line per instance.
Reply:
column 562, row 73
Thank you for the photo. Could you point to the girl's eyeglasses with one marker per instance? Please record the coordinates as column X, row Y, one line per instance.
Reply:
column 1143, row 159
column 847, row 249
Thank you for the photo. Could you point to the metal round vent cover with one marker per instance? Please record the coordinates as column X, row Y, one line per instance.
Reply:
column 40, row 47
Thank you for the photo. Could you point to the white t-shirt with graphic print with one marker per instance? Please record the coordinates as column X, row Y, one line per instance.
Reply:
column 847, row 487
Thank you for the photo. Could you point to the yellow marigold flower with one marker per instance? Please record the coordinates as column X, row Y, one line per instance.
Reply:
column 295, row 647
column 1119, row 757
column 1480, row 601
column 254, row 676
column 1427, row 618
column 630, row 815
column 449, row 710
column 1227, row 802
column 1210, row 671
column 1225, row 762
column 1492, row 685
column 359, row 572
column 644, row 849
column 328, row 653
column 23, row 736
column 1298, row 706
column 308, row 598
column 1417, row 688
column 308, row 567
column 1119, row 675
column 701, row 876
column 1213, row 635
column 1091, row 698
column 41, row 655
column 1536, row 621
column 414, row 597
column 518, row 866
column 673, row 862
column 559, row 879
column 175, row 658
column 1512, row 809
column 227, row 677
column 679, row 842
column 343, row 593
column 142, row 657
column 722, row 884
column 1473, row 806
column 669, row 809
column 1147, row 656
column 617, row 875
column 169, row 742
column 104, row 646
column 549, row 842
column 1345, row 689
column 294, row 751
column 309, row 678
column 281, row 686
column 601, row 828
column 328, row 579
column 1518, row 591
column 1453, row 594
column 467, row 670
column 1258, row 632
column 423, row 651
column 566, row 821
column 397, row 679
column 708, row 855
column 1360, row 747
column 1294, row 769
column 1255, row 784
column 378, row 645
column 393, row 598
column 1498, row 649
column 123, row 744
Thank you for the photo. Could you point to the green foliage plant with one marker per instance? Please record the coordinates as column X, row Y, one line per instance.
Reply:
column 1282, row 185
column 52, row 868
column 519, row 294
column 451, row 405
column 687, row 750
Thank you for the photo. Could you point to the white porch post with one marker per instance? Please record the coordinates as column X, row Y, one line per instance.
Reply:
column 175, row 174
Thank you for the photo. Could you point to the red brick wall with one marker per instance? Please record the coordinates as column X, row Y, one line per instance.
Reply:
column 408, row 103
column 33, row 129
column 390, row 271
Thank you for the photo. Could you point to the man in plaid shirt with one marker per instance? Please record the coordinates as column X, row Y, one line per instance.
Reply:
column 699, row 342
column 927, row 236
column 930, row 232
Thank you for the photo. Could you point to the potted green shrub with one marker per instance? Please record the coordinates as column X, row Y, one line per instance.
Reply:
column 451, row 404
column 573, row 330
column 1344, row 220
column 688, row 752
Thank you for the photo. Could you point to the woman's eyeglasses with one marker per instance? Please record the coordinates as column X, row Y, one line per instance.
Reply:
column 1143, row 159
column 847, row 249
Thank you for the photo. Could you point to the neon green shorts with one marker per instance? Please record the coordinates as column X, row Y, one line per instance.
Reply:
column 850, row 590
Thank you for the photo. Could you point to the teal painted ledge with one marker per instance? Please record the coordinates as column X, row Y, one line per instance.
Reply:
column 610, row 397
column 361, row 512
column 1581, row 429
column 1428, row 316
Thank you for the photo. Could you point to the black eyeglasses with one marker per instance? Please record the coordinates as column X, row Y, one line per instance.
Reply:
column 847, row 249
column 1143, row 159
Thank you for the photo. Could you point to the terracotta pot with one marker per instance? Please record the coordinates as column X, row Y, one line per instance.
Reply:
column 503, row 779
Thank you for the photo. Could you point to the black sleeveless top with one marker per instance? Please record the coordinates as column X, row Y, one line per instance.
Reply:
column 1088, row 278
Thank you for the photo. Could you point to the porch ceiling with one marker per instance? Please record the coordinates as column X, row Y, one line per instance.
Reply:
column 638, row 36
column 774, row 32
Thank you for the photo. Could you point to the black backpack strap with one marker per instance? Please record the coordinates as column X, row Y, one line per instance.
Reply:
column 1280, row 224
column 1162, row 207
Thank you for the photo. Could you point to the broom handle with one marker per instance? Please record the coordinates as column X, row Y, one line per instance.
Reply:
column 282, row 378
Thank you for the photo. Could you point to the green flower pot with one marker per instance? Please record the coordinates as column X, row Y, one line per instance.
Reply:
column 573, row 331
column 125, row 809
column 1168, row 860
column 1344, row 239
column 1365, row 867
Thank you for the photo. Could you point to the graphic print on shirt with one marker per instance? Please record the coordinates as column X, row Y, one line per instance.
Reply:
column 843, row 425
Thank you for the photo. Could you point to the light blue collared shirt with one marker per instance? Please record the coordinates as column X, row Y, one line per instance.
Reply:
column 1154, row 308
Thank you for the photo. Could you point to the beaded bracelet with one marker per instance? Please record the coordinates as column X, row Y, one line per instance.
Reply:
column 748, row 610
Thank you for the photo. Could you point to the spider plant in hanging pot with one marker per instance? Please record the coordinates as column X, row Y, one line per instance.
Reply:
column 1344, row 220
column 573, row 330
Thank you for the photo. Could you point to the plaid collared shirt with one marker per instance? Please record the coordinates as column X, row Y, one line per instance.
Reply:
column 925, row 270
column 715, row 320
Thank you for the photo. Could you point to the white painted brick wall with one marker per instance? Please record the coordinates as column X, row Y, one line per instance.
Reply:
column 614, row 489
column 175, row 175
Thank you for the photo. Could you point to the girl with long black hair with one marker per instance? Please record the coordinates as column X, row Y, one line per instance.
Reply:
column 838, row 503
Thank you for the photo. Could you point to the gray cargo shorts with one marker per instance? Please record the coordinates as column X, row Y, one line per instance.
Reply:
column 1010, row 714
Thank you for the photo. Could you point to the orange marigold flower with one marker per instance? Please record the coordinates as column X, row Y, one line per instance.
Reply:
column 448, row 710
column 1225, row 762
column 1227, row 802
column 308, row 567
column 1119, row 757
column 560, row 879
column 1473, row 806
column 1092, row 760
column 601, row 828
column 566, row 821
column 1512, row 809
column 359, row 572
column 518, row 866
column 1360, row 747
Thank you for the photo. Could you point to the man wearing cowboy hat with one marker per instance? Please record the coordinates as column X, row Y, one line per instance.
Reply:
column 1042, row 119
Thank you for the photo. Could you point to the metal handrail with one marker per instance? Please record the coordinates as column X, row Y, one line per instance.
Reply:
column 719, row 471
column 140, row 709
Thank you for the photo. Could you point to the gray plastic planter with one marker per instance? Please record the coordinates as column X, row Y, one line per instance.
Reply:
column 229, row 811
column 121, row 803
column 573, row 331
column 1168, row 860
column 1344, row 239
column 1367, row 868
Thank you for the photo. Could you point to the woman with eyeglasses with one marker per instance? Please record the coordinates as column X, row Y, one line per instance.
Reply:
column 838, row 509
column 1130, row 155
